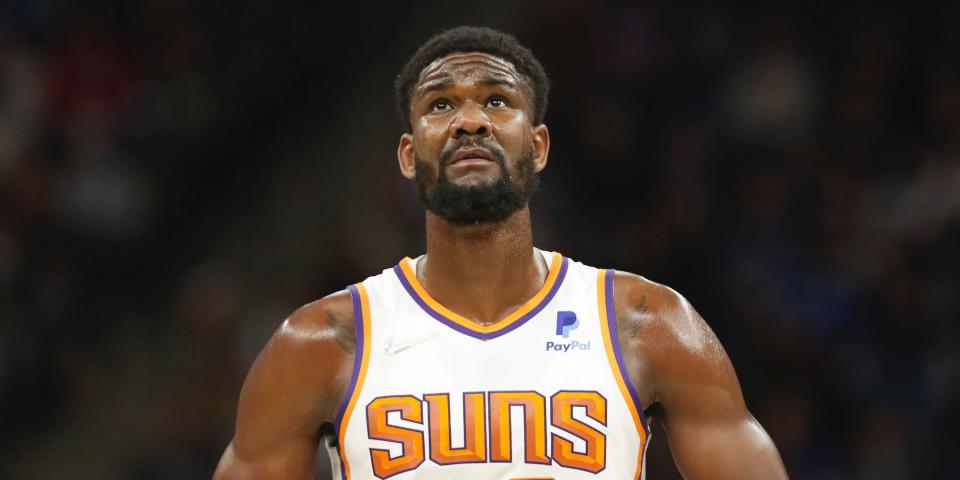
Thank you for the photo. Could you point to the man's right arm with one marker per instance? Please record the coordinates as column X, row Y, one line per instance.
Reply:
column 294, row 386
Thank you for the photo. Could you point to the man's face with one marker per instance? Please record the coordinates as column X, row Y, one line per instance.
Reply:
column 473, row 153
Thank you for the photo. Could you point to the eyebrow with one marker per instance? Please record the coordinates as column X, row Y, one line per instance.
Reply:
column 433, row 85
column 504, row 82
column 440, row 84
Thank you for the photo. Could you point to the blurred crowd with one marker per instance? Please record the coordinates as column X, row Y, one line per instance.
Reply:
column 176, row 178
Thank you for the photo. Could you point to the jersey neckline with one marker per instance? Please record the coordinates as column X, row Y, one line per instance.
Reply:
column 558, row 270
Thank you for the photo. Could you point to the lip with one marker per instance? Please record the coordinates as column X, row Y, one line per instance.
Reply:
column 472, row 156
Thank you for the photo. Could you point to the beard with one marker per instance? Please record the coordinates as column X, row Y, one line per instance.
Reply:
column 489, row 202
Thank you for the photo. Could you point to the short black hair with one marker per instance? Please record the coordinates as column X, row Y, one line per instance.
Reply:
column 473, row 39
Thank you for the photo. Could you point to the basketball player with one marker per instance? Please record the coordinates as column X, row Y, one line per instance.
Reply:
column 487, row 358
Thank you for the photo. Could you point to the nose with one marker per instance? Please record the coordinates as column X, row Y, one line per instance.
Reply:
column 470, row 120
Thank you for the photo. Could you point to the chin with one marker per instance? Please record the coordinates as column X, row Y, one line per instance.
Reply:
column 475, row 180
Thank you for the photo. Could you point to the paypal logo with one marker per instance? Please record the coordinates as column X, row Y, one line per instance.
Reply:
column 566, row 321
column 566, row 347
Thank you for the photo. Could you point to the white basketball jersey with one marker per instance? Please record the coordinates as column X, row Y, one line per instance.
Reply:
column 540, row 395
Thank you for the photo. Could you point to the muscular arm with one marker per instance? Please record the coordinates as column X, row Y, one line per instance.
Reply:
column 684, row 371
column 294, row 386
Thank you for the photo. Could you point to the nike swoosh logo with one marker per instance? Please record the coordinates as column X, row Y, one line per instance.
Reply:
column 395, row 348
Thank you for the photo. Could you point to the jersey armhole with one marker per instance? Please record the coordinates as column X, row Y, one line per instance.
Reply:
column 361, row 321
column 608, row 321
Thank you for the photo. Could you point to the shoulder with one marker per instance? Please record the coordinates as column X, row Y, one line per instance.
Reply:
column 308, row 359
column 662, row 331
column 322, row 324
column 645, row 303
column 295, row 385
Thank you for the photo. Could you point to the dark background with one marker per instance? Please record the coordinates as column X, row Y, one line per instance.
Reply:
column 176, row 177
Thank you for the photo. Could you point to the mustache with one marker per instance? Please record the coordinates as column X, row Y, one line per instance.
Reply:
column 446, row 155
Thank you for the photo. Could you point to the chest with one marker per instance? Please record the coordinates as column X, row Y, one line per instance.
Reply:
column 545, row 399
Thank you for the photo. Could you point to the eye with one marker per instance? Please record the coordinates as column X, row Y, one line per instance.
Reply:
column 440, row 106
column 496, row 102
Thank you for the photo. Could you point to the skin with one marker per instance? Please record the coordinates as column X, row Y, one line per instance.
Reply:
column 677, row 363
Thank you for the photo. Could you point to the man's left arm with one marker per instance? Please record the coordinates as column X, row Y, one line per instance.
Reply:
column 711, row 433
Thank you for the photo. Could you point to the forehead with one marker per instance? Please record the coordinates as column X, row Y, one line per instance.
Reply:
column 468, row 64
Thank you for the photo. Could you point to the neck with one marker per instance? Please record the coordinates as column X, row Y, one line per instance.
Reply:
column 483, row 271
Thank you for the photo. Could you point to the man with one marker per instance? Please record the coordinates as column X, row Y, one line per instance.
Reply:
column 487, row 358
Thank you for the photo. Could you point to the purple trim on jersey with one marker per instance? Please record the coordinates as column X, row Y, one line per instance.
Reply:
column 479, row 335
column 612, row 324
column 357, row 361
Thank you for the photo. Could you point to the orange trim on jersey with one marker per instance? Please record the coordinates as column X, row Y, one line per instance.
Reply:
column 615, row 366
column 361, row 376
column 462, row 321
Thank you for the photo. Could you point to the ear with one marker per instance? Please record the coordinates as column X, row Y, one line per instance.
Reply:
column 405, row 156
column 541, row 147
